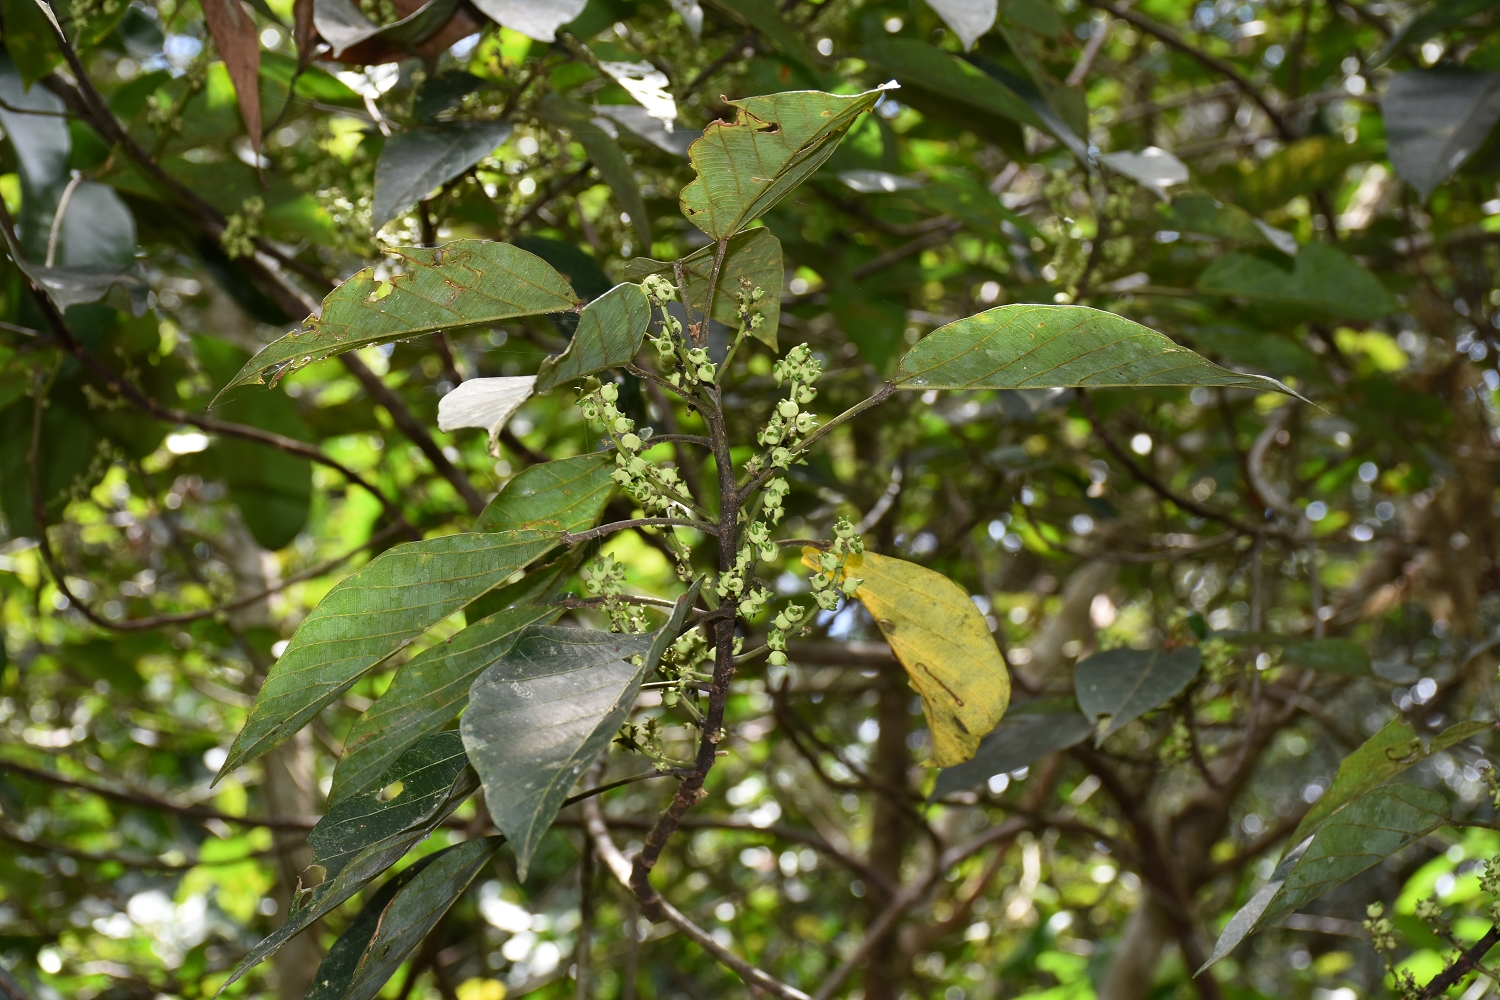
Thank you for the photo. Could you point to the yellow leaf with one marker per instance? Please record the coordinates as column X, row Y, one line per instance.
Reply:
column 944, row 643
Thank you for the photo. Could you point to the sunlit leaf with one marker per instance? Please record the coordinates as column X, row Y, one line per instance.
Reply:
column 461, row 284
column 566, row 494
column 610, row 332
column 486, row 403
column 968, row 18
column 1124, row 684
column 1037, row 346
column 371, row 614
column 537, row 19
column 1154, row 169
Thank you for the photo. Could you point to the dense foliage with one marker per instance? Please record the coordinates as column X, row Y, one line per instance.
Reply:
column 461, row 541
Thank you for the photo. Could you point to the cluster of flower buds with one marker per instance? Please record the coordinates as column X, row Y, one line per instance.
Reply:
column 738, row 584
column 775, row 493
column 606, row 578
column 830, row 583
column 683, row 366
column 789, row 422
column 747, row 306
column 655, row 488
column 789, row 618
column 1490, row 882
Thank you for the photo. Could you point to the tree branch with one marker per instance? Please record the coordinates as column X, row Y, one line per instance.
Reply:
column 1466, row 964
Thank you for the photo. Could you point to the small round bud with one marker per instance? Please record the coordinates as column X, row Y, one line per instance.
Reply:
column 609, row 391
column 776, row 658
column 787, row 408
column 630, row 442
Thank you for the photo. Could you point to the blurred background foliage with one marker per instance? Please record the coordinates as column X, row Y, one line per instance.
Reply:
column 1293, row 226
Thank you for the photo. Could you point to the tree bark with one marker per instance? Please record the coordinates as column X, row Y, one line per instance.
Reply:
column 892, row 831
column 1132, row 967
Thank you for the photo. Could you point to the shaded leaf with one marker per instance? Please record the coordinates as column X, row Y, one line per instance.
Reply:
column 536, row 19
column 610, row 332
column 1152, row 168
column 42, row 144
column 336, row 971
column 445, row 91
column 638, row 121
column 1061, row 110
column 968, row 18
column 427, row 693
column 416, row 909
column 1021, row 737
column 1376, row 761
column 943, row 642
column 29, row 39
column 414, row 162
column 1335, row 656
column 929, row 67
column 763, row 16
column 432, row 774
column 1037, row 346
column 567, row 494
column 1198, row 213
column 1124, row 684
column 754, row 256
column 540, row 714
column 343, row 26
column 486, row 403
column 404, row 591
column 1321, row 278
column 461, row 284
column 1370, row 830
column 1435, row 119
column 580, row 269
column 1440, row 16
column 238, row 42
column 604, row 152
column 775, row 143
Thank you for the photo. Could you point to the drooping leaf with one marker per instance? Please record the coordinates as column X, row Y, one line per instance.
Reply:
column 343, row 26
column 752, row 256
column 432, row 774
column 775, row 143
column 604, row 152
column 567, row 494
column 427, row 693
column 238, row 42
column 1061, row 110
column 763, row 16
column 34, row 124
column 486, row 403
column 536, row 19
column 1368, row 831
column 1334, row 656
column 931, row 68
column 1024, row 735
column 371, row 614
column 1152, row 168
column 336, row 971
column 1125, row 684
column 610, row 332
column 1321, row 278
column 968, row 18
column 1376, row 761
column 414, row 162
column 540, row 714
column 943, row 642
column 461, row 284
column 271, row 488
column 1435, row 119
column 1038, row 346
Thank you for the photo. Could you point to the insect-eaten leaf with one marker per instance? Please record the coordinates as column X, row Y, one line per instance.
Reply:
column 427, row 693
column 1118, row 686
column 1028, row 731
column 486, row 403
column 452, row 287
column 943, row 642
column 407, row 589
column 1043, row 346
column 1366, row 832
column 610, row 332
column 775, row 143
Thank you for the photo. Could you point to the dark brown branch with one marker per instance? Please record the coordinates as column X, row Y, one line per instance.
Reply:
column 573, row 537
column 1467, row 962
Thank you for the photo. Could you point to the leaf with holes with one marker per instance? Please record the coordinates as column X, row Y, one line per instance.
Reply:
column 775, row 143
column 458, row 285
column 1368, row 831
column 1378, row 760
column 1124, row 684
column 567, row 494
column 610, row 332
column 1041, row 346
column 371, row 614
column 1025, row 734
column 1435, row 119
column 424, row 157
column 943, row 642
column 753, row 256
column 427, row 693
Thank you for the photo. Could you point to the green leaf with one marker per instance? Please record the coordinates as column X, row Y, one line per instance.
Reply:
column 568, row 494
column 1376, row 761
column 754, row 256
column 371, row 614
column 1198, row 213
column 604, row 152
column 416, row 909
column 1435, row 119
column 1021, row 737
column 1321, row 278
column 424, row 157
column 272, row 489
column 427, row 693
column 1334, row 656
column 933, row 69
column 432, row 775
column 336, row 971
column 763, row 16
column 461, row 284
column 29, row 39
column 1370, row 830
column 1045, row 96
column 1124, row 684
column 581, row 269
column 71, row 444
column 1040, row 346
column 540, row 714
column 775, row 143
column 610, row 332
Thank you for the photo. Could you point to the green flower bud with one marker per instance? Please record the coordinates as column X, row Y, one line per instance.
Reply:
column 630, row 442
column 787, row 408
column 776, row 658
